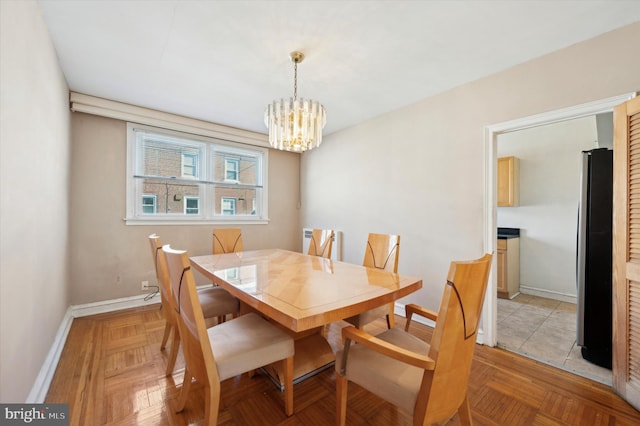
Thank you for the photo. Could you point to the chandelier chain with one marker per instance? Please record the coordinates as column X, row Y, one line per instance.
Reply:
column 295, row 80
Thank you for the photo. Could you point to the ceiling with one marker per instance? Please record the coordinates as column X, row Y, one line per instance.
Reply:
column 224, row 61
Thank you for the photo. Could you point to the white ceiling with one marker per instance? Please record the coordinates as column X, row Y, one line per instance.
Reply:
column 224, row 61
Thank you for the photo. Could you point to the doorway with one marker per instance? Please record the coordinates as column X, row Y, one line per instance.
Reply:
column 540, row 320
column 492, row 135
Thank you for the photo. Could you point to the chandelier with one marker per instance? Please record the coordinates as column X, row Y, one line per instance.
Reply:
column 295, row 124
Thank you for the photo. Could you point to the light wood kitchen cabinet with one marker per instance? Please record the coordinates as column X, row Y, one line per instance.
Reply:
column 508, row 267
column 508, row 182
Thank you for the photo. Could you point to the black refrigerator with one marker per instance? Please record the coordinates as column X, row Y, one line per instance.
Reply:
column 594, row 258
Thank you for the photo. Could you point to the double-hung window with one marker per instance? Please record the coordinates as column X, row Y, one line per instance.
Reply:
column 178, row 177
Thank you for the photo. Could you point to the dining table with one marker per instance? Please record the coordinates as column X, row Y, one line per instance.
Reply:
column 302, row 294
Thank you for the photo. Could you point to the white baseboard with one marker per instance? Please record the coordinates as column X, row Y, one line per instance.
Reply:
column 113, row 305
column 548, row 294
column 43, row 380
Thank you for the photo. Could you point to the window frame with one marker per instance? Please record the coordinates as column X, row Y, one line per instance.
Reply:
column 205, row 171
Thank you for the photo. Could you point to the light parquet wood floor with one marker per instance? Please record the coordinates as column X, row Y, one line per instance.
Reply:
column 112, row 372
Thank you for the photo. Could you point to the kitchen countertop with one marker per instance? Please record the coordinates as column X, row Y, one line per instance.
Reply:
column 506, row 233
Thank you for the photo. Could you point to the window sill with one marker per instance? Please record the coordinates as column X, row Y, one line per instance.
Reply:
column 162, row 221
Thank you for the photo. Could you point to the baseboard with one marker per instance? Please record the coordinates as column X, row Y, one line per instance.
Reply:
column 548, row 294
column 43, row 380
column 113, row 305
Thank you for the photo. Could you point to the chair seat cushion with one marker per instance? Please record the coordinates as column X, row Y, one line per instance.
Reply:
column 392, row 380
column 246, row 343
column 217, row 301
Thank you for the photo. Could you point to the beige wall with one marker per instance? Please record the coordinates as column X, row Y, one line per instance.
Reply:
column 34, row 197
column 109, row 258
column 418, row 171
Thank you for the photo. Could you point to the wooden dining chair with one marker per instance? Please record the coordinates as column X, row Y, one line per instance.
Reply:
column 227, row 240
column 426, row 380
column 216, row 302
column 237, row 346
column 381, row 252
column 321, row 243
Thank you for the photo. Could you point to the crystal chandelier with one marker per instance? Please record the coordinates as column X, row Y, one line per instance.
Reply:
column 295, row 124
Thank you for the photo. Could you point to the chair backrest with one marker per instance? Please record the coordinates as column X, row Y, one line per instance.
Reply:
column 454, row 339
column 193, row 330
column 382, row 252
column 227, row 240
column 321, row 243
column 162, row 277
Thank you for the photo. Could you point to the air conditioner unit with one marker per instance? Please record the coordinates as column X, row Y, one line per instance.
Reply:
column 336, row 246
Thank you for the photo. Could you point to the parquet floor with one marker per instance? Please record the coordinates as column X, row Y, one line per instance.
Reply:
column 112, row 372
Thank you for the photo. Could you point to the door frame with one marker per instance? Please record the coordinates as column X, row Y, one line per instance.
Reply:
column 491, row 133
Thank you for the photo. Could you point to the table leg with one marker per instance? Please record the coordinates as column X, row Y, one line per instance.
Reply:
column 313, row 354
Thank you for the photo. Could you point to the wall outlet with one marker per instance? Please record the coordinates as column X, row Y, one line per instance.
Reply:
column 144, row 285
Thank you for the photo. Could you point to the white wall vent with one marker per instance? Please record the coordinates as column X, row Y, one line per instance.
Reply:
column 336, row 248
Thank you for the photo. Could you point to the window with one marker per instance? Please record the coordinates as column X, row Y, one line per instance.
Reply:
column 148, row 204
column 191, row 205
column 178, row 177
column 228, row 206
column 189, row 165
column 231, row 166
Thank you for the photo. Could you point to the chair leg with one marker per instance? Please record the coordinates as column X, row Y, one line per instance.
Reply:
column 341, row 399
column 165, row 337
column 173, row 355
column 186, row 386
column 211, row 406
column 288, row 385
column 464, row 412
column 391, row 319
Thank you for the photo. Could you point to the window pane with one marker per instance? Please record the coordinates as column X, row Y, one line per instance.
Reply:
column 237, row 166
column 169, row 157
column 243, row 200
column 169, row 195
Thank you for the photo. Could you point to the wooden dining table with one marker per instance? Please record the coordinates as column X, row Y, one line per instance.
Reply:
column 303, row 293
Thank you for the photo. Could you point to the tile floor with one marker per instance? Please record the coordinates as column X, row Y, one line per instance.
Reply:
column 545, row 330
